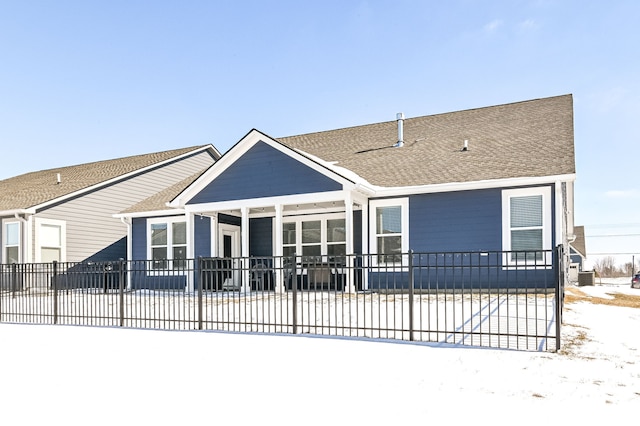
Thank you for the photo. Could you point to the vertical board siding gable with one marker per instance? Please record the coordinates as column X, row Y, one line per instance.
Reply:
column 263, row 171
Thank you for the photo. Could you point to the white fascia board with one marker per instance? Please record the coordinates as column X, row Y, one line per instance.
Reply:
column 252, row 138
column 14, row 212
column 119, row 178
column 315, row 197
column 467, row 186
column 153, row 213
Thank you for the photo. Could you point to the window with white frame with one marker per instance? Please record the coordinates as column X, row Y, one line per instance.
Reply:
column 11, row 242
column 315, row 236
column 526, row 218
column 167, row 246
column 50, row 240
column 389, row 229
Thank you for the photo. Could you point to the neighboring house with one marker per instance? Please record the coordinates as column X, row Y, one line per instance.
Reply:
column 66, row 214
column 578, row 253
column 498, row 178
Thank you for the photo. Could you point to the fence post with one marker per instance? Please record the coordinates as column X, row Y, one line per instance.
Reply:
column 559, row 289
column 54, row 279
column 121, row 280
column 411, row 286
column 294, row 287
column 14, row 279
column 199, row 284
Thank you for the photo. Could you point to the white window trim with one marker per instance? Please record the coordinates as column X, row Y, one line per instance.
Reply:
column 6, row 222
column 507, row 194
column 63, row 237
column 169, row 221
column 403, row 203
column 323, row 218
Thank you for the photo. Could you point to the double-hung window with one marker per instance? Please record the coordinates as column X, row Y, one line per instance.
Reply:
column 11, row 242
column 168, row 244
column 526, row 224
column 51, row 240
column 389, row 230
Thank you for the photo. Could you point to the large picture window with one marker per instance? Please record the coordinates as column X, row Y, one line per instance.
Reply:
column 168, row 244
column 389, row 230
column 526, row 224
column 318, row 236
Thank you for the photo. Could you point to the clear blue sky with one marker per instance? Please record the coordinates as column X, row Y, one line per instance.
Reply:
column 83, row 81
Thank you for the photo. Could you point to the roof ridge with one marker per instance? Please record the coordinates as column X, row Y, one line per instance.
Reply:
column 90, row 163
column 427, row 115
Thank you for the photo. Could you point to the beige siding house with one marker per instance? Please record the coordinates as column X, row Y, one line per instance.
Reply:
column 66, row 214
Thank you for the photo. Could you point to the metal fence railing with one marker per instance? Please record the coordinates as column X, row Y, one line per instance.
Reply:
column 495, row 299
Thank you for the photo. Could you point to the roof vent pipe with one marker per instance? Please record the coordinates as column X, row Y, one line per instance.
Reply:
column 400, row 118
column 58, row 178
column 465, row 147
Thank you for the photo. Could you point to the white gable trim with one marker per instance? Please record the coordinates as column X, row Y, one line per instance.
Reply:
column 246, row 143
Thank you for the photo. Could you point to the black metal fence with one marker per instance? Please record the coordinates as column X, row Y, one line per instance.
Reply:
column 495, row 299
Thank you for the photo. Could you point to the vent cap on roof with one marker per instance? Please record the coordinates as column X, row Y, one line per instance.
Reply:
column 400, row 118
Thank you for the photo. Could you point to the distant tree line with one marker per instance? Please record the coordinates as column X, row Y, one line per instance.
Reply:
column 607, row 267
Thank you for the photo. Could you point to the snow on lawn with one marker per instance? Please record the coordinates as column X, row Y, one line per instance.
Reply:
column 72, row 375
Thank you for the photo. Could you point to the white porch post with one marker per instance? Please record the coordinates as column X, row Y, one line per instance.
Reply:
column 365, row 245
column 348, row 224
column 29, row 236
column 214, row 234
column 244, row 250
column 279, row 284
column 190, row 251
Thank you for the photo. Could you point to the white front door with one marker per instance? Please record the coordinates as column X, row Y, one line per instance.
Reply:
column 229, row 248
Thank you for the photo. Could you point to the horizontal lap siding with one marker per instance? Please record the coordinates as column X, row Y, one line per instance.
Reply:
column 444, row 278
column 264, row 172
column 92, row 232
column 202, row 237
column 139, row 239
column 458, row 226
column 261, row 236
column 357, row 232
column 456, row 221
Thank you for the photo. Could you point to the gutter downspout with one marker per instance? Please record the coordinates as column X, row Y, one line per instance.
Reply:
column 127, row 221
column 23, row 237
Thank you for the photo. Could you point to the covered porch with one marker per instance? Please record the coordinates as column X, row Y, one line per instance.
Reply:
column 322, row 229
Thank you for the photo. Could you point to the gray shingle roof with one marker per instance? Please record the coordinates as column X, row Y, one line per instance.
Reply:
column 35, row 188
column 524, row 139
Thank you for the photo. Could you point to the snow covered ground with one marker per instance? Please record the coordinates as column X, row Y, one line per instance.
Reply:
column 72, row 375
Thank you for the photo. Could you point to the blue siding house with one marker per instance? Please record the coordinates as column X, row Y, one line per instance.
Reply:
column 492, row 179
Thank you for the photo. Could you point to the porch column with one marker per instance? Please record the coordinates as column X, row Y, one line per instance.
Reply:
column 279, row 284
column 365, row 244
column 244, row 250
column 190, row 252
column 29, row 243
column 348, row 225
column 214, row 235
